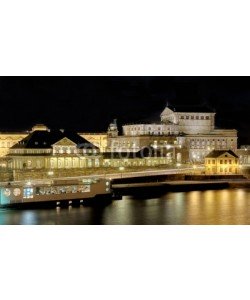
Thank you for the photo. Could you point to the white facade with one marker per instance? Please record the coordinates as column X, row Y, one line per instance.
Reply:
column 201, row 144
column 190, row 122
column 150, row 129
column 193, row 130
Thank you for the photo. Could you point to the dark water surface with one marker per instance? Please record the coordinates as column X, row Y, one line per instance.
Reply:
column 196, row 207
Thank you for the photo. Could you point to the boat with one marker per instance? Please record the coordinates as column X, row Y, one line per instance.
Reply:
column 58, row 190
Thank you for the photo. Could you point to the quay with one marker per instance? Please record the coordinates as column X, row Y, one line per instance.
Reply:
column 76, row 190
column 169, row 186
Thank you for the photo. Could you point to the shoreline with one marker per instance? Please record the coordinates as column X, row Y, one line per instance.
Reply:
column 157, row 185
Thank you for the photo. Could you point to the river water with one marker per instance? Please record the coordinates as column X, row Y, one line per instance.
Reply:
column 196, row 207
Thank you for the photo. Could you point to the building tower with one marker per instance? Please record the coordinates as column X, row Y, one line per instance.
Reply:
column 113, row 129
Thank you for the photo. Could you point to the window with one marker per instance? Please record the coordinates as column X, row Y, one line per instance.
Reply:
column 28, row 193
column 197, row 117
column 89, row 163
column 221, row 161
column 182, row 117
column 230, row 161
column 202, row 117
column 207, row 117
column 192, row 117
column 187, row 117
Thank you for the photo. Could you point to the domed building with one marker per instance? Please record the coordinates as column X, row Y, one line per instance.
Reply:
column 179, row 129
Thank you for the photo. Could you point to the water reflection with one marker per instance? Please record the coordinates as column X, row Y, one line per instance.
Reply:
column 196, row 207
column 28, row 217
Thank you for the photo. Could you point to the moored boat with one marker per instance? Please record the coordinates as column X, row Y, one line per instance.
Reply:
column 53, row 190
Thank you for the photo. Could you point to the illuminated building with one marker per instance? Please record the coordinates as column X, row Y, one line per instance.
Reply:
column 147, row 156
column 52, row 149
column 189, row 119
column 191, row 127
column 244, row 155
column 187, row 132
column 97, row 139
column 9, row 139
column 220, row 162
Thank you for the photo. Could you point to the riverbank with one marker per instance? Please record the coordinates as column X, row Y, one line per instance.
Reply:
column 179, row 182
column 173, row 186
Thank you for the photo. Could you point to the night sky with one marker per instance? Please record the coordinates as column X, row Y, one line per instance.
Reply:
column 89, row 104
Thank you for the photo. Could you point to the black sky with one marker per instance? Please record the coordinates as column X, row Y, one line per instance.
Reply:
column 90, row 103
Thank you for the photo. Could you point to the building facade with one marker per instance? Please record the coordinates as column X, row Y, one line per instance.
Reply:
column 150, row 129
column 186, row 133
column 51, row 149
column 244, row 155
column 9, row 139
column 189, row 120
column 97, row 139
column 191, row 128
column 220, row 162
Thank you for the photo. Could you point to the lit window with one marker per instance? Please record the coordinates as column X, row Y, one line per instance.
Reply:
column 28, row 193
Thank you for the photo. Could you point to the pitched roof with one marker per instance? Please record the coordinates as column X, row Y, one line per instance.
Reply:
column 218, row 153
column 41, row 139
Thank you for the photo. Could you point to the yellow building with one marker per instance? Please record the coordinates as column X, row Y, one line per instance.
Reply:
column 9, row 139
column 222, row 162
column 146, row 157
column 52, row 149
column 97, row 139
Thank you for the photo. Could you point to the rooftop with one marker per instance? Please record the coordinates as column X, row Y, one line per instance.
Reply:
column 218, row 153
column 191, row 108
column 41, row 139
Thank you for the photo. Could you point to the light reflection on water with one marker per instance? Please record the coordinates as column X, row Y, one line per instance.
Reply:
column 196, row 207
